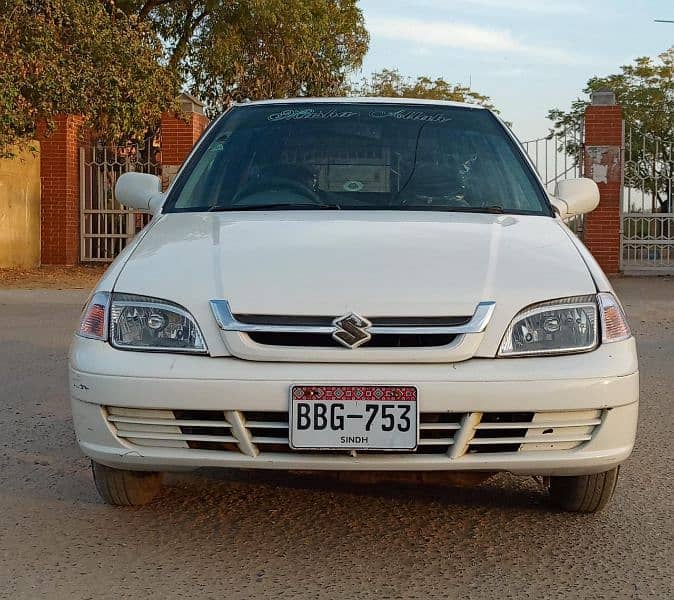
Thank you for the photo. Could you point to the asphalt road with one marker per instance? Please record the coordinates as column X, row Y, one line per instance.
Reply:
column 221, row 534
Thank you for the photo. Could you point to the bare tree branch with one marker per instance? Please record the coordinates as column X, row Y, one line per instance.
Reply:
column 191, row 23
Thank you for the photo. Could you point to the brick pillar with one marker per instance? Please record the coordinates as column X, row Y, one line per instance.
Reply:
column 179, row 133
column 603, row 164
column 60, row 201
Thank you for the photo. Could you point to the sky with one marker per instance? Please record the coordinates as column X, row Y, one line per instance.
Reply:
column 527, row 55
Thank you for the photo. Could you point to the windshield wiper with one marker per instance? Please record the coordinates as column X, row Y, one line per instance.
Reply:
column 495, row 209
column 277, row 206
column 469, row 209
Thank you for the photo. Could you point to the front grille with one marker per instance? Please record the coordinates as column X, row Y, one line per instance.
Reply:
column 368, row 338
column 327, row 341
column 260, row 432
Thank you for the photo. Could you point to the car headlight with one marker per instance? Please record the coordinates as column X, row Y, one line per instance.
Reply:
column 140, row 323
column 565, row 326
column 143, row 323
column 555, row 327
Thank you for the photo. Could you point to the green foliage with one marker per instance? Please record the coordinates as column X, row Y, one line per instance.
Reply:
column 645, row 91
column 390, row 83
column 227, row 51
column 121, row 63
column 81, row 57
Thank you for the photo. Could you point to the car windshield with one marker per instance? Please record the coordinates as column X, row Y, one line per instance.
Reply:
column 357, row 156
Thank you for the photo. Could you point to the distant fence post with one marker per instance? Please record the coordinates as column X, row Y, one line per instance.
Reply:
column 603, row 164
column 179, row 133
column 60, row 201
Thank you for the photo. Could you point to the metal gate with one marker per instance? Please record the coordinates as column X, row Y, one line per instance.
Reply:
column 106, row 226
column 647, row 214
column 559, row 156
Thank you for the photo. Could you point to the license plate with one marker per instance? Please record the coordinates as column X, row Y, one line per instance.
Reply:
column 353, row 417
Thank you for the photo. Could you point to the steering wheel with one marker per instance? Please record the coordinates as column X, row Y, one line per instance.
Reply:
column 267, row 184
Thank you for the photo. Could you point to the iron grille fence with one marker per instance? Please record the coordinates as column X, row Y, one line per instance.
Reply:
column 647, row 219
column 558, row 156
column 107, row 226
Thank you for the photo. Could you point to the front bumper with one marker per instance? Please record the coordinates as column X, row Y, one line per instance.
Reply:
column 605, row 381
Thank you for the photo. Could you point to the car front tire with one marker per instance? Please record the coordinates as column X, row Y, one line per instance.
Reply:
column 126, row 488
column 584, row 493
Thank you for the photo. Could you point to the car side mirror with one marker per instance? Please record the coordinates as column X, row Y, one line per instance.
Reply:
column 575, row 197
column 141, row 191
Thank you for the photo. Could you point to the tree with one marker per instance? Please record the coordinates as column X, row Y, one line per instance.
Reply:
column 645, row 91
column 227, row 51
column 391, row 84
column 120, row 63
column 80, row 57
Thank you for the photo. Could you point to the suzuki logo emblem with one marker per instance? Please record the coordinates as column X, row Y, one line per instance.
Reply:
column 351, row 330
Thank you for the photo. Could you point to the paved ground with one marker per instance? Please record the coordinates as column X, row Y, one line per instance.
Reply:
column 216, row 535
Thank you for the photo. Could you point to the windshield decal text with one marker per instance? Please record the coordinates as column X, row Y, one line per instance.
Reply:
column 410, row 115
column 310, row 113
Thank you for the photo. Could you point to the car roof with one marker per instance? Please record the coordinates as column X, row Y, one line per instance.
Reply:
column 361, row 100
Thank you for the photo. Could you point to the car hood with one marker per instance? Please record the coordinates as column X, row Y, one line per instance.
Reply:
column 382, row 263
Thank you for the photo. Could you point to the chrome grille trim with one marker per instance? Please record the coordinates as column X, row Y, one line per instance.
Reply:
column 228, row 322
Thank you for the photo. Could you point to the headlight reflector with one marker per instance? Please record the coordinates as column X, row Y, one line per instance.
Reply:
column 143, row 323
column 562, row 326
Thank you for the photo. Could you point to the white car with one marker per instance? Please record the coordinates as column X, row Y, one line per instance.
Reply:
column 356, row 284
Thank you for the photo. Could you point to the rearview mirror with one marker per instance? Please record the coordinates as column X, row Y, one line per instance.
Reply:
column 575, row 197
column 141, row 191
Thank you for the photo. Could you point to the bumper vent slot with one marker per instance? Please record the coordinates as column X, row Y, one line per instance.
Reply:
column 200, row 429
column 526, row 432
column 500, row 439
column 260, row 432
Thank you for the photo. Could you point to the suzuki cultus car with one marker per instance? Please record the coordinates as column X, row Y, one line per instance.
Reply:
column 356, row 284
